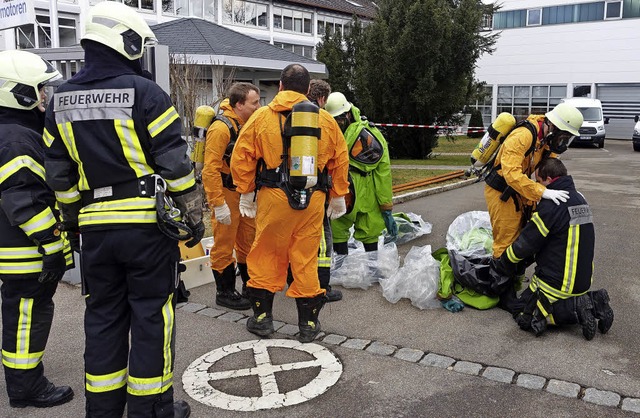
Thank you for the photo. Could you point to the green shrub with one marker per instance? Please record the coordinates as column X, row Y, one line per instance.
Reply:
column 474, row 122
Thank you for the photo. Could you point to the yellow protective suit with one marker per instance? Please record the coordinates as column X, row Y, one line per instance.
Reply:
column 516, row 169
column 241, row 232
column 283, row 235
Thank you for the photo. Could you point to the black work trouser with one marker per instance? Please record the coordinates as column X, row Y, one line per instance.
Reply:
column 129, row 277
column 27, row 314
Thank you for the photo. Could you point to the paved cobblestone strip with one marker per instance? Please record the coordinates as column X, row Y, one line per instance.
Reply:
column 494, row 373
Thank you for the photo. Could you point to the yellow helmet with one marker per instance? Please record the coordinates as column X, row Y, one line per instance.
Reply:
column 120, row 28
column 22, row 74
column 337, row 104
column 566, row 118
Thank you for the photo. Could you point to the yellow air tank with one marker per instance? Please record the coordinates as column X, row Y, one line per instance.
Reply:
column 488, row 145
column 203, row 118
column 303, row 153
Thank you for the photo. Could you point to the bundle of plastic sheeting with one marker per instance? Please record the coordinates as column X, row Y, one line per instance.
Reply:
column 417, row 280
column 469, row 243
column 470, row 235
column 410, row 227
column 360, row 269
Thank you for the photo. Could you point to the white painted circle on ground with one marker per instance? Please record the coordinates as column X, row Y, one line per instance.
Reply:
column 197, row 376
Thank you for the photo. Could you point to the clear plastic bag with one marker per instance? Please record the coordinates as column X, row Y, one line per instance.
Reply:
column 470, row 235
column 410, row 227
column 360, row 269
column 417, row 280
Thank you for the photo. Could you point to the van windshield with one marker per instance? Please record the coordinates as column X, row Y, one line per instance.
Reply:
column 591, row 114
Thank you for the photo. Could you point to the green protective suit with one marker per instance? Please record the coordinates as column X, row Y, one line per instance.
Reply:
column 372, row 184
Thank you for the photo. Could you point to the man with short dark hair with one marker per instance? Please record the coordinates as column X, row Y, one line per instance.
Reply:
column 319, row 91
column 286, row 152
column 562, row 238
column 230, row 230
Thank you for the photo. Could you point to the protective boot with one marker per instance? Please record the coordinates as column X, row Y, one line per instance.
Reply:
column 244, row 276
column 226, row 294
column 308, row 323
column 181, row 409
column 603, row 311
column 52, row 395
column 261, row 323
column 584, row 311
column 324, row 275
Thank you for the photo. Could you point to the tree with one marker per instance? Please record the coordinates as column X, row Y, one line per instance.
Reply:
column 340, row 55
column 416, row 65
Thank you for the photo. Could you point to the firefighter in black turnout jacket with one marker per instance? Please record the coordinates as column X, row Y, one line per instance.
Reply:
column 562, row 239
column 114, row 144
column 33, row 253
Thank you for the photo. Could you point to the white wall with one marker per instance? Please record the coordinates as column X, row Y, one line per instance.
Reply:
column 589, row 52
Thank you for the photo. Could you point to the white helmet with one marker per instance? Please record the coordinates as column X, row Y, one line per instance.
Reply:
column 120, row 28
column 337, row 104
column 22, row 74
column 566, row 118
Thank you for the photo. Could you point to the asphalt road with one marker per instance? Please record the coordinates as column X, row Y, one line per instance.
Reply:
column 605, row 370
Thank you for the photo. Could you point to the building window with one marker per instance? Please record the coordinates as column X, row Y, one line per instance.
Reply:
column 522, row 101
column 483, row 104
column 510, row 19
column 613, row 10
column 304, row 50
column 39, row 36
column 240, row 12
column 487, row 22
column 291, row 20
column 332, row 25
column 534, row 17
column 139, row 4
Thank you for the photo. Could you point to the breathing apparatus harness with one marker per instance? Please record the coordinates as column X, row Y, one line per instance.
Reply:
column 497, row 182
column 296, row 187
column 227, row 180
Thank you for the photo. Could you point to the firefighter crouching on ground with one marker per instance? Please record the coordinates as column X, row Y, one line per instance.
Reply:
column 562, row 238
column 510, row 192
column 282, row 151
column 33, row 253
column 370, row 177
column 230, row 230
column 114, row 142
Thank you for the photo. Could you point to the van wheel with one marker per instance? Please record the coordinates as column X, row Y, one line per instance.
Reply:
column 636, row 147
column 601, row 144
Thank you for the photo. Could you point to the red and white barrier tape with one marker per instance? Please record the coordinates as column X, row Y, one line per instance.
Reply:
column 455, row 128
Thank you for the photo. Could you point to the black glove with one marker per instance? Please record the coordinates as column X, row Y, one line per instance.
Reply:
column 504, row 266
column 53, row 267
column 197, row 234
column 72, row 235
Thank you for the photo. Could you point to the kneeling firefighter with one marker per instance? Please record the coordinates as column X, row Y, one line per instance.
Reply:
column 510, row 192
column 370, row 176
column 293, row 154
column 562, row 239
column 114, row 147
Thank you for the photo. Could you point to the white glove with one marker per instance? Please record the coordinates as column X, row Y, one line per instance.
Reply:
column 247, row 206
column 556, row 195
column 337, row 207
column 223, row 214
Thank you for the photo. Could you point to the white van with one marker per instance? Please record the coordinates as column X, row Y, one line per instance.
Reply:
column 592, row 130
